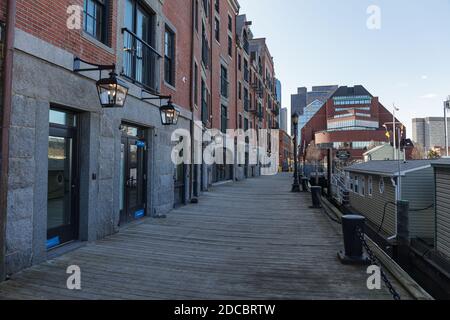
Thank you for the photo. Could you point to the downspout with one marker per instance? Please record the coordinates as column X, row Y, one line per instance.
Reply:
column 7, row 106
column 191, row 98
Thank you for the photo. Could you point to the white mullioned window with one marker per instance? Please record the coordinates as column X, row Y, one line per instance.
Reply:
column 370, row 186
column 362, row 189
column 381, row 185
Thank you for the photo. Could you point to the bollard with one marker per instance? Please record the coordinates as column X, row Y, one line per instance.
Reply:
column 305, row 184
column 402, row 247
column 316, row 193
column 353, row 246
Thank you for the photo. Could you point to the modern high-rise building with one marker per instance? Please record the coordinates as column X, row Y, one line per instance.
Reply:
column 303, row 97
column 284, row 119
column 429, row 132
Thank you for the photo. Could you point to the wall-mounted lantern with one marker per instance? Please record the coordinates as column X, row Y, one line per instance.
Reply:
column 112, row 92
column 169, row 113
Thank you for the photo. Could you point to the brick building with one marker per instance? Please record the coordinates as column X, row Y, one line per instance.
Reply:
column 352, row 120
column 286, row 151
column 78, row 172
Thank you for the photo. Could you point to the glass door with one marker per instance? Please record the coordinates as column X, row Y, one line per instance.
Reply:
column 62, row 199
column 132, row 175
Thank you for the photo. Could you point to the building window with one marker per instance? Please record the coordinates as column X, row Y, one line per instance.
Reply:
column 195, row 83
column 370, row 186
column 240, row 122
column 224, row 82
column 205, row 47
column 230, row 23
column 206, row 7
column 246, row 72
column 95, row 19
column 230, row 46
column 169, row 57
column 381, row 186
column 363, row 186
column 240, row 90
column 140, row 59
column 224, row 119
column 205, row 109
column 246, row 100
column 217, row 29
column 196, row 15
column 217, row 5
column 239, row 62
column 356, row 185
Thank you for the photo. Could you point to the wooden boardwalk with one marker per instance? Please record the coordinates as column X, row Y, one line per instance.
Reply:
column 248, row 240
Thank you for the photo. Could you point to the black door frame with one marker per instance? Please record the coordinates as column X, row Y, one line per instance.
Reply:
column 70, row 232
column 127, row 213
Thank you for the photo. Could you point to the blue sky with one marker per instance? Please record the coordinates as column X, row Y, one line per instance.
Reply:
column 321, row 42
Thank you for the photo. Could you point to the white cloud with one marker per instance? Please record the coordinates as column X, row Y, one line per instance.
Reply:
column 429, row 96
column 424, row 77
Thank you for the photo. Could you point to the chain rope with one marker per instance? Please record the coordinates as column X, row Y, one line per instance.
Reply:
column 374, row 261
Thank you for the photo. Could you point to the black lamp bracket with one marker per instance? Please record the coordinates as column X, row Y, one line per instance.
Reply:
column 155, row 95
column 94, row 67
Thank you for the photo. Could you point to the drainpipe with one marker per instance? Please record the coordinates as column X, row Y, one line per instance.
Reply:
column 7, row 106
column 191, row 98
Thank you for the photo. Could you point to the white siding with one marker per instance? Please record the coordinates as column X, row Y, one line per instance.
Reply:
column 418, row 189
column 443, row 211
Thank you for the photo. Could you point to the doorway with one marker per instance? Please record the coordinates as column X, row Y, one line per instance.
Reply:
column 63, row 178
column 133, row 155
column 179, row 183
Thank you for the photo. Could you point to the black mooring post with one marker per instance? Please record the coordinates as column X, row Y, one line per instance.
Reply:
column 353, row 247
column 316, row 193
column 403, row 239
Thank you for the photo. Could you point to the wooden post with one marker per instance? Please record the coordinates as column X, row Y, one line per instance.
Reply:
column 330, row 172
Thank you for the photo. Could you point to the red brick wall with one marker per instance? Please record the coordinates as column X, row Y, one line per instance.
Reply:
column 178, row 12
column 218, row 51
column 285, row 147
column 47, row 20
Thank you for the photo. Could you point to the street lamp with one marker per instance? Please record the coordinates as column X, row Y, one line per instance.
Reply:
column 169, row 114
column 446, row 106
column 295, row 185
column 112, row 91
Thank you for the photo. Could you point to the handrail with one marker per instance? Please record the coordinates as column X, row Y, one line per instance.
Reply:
column 141, row 41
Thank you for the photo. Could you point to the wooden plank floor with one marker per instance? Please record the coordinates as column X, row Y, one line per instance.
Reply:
column 248, row 240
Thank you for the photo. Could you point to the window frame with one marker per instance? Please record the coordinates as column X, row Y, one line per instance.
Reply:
column 370, row 186
column 99, row 27
column 381, row 186
column 172, row 58
column 230, row 46
column 217, row 29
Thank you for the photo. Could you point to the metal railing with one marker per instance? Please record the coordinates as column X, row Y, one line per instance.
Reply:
column 140, row 61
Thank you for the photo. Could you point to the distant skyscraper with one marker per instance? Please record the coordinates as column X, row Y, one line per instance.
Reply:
column 429, row 132
column 303, row 98
column 278, row 90
column 284, row 119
